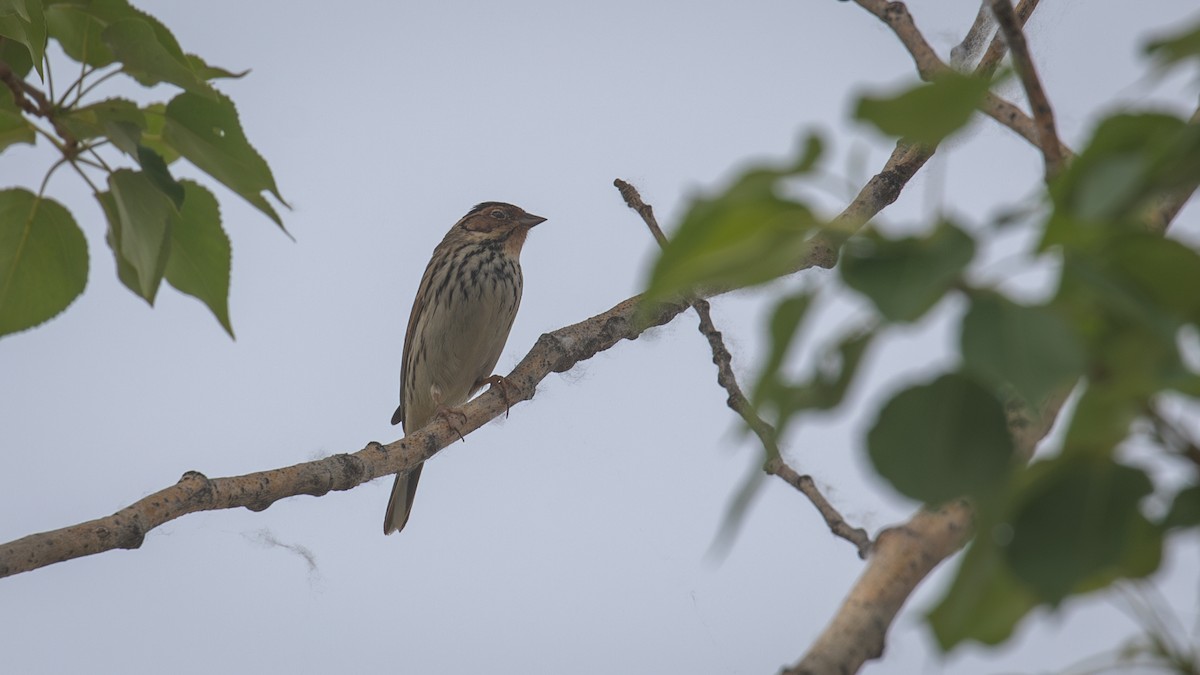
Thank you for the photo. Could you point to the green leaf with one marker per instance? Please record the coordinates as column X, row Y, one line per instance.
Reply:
column 208, row 72
column 78, row 33
column 134, row 43
column 747, row 235
column 926, row 113
column 1184, row 44
column 115, row 118
column 16, row 55
column 24, row 22
column 200, row 254
column 1185, row 509
column 906, row 277
column 43, row 260
column 126, row 272
column 1077, row 523
column 14, row 129
column 145, row 218
column 207, row 132
column 156, row 119
column 943, row 440
column 1033, row 349
column 984, row 602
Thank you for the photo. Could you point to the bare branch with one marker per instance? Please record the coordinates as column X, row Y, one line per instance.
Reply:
column 991, row 58
column 1043, row 114
column 964, row 52
column 929, row 66
column 738, row 402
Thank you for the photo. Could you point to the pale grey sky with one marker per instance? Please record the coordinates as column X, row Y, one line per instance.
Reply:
column 572, row 537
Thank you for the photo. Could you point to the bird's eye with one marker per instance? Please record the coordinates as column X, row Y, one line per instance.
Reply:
column 499, row 214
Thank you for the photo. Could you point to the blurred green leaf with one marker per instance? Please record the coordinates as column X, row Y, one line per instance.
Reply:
column 826, row 387
column 145, row 218
column 1033, row 349
column 747, row 235
column 43, row 260
column 927, row 112
column 1130, row 162
column 1181, row 45
column 207, row 132
column 943, row 440
column 135, row 44
column 24, row 22
column 906, row 277
column 1185, row 509
column 200, row 255
column 785, row 324
column 985, row 601
column 1077, row 520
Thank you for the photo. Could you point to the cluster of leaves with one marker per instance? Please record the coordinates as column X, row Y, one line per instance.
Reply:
column 158, row 227
column 1067, row 523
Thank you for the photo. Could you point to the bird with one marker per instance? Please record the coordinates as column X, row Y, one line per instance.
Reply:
column 460, row 320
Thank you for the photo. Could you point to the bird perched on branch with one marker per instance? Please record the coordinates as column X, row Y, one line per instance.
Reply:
column 459, row 323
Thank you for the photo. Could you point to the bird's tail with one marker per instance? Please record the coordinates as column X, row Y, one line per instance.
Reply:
column 404, row 490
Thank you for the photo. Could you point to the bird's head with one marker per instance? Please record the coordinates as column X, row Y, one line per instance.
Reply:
column 497, row 221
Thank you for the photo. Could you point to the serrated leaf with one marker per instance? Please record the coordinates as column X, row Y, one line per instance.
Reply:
column 24, row 22
column 43, row 260
column 1185, row 509
column 78, row 33
column 926, row 113
column 906, row 277
column 939, row 441
column 200, row 254
column 135, row 44
column 126, row 273
column 1033, row 349
column 207, row 72
column 146, row 217
column 1074, row 524
column 984, row 602
column 207, row 132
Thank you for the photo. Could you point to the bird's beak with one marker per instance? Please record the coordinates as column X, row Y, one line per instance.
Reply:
column 529, row 220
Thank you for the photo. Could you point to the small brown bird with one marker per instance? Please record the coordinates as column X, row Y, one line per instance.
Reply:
column 459, row 323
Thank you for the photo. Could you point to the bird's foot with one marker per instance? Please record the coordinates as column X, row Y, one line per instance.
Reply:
column 499, row 382
column 446, row 414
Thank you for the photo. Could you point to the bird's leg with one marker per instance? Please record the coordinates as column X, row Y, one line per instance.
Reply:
column 502, row 384
column 445, row 413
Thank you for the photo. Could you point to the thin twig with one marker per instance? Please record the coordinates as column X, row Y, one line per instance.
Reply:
column 1043, row 114
column 738, row 402
column 964, row 52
